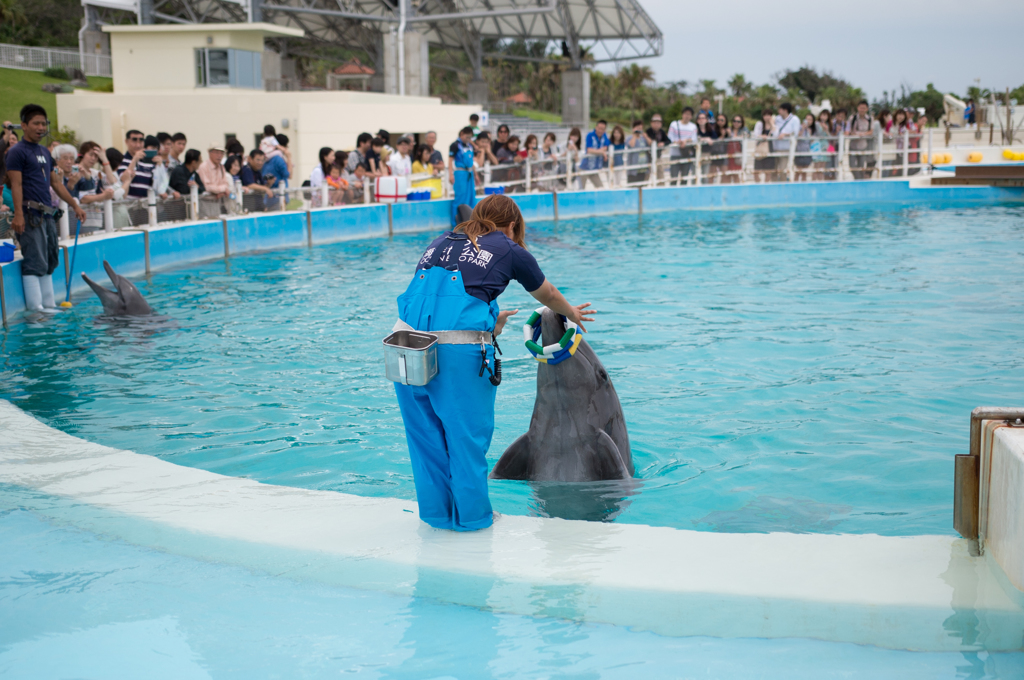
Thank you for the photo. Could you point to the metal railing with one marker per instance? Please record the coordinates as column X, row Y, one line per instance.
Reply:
column 41, row 58
column 731, row 160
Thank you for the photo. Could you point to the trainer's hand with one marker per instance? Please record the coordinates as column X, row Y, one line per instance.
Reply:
column 79, row 213
column 502, row 318
column 18, row 223
column 581, row 314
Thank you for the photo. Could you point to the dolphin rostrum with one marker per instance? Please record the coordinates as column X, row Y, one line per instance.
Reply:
column 578, row 431
column 126, row 300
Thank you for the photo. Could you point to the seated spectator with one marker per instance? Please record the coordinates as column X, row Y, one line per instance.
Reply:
column 509, row 151
column 358, row 156
column 141, row 163
column 268, row 145
column 276, row 173
column 357, row 180
column 184, row 177
column 422, row 163
column 400, row 163
column 178, row 144
column 529, row 149
column 319, row 174
column 338, row 185
column 482, row 150
column 216, row 200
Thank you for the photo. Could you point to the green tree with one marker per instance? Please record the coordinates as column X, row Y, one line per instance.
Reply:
column 739, row 86
column 930, row 100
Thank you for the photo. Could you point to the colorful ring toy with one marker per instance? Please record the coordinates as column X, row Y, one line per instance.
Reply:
column 552, row 354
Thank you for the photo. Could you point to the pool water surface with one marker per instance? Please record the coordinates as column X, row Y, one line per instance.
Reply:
column 807, row 370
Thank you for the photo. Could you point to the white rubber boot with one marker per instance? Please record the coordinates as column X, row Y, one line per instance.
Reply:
column 46, row 288
column 33, row 293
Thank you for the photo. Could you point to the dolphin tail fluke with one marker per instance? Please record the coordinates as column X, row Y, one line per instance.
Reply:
column 515, row 462
column 608, row 462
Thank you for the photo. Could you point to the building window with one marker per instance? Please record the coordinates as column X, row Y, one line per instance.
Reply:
column 229, row 68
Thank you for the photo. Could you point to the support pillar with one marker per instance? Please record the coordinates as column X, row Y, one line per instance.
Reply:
column 476, row 92
column 576, row 97
column 417, row 64
column 145, row 12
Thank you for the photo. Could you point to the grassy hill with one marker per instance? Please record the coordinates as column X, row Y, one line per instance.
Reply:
column 18, row 88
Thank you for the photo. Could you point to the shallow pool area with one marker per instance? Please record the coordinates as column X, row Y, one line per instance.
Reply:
column 808, row 371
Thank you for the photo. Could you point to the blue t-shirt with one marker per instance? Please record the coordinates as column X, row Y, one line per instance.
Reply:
column 35, row 165
column 485, row 274
column 249, row 177
column 591, row 162
column 277, row 168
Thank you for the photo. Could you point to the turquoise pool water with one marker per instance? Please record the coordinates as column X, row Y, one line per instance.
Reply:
column 794, row 370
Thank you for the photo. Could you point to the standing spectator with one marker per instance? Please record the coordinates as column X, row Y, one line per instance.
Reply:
column 165, row 145
column 385, row 136
column 922, row 122
column 184, row 176
column 461, row 172
column 234, row 148
column 508, row 160
column 233, row 166
column 764, row 133
column 161, row 175
column 219, row 186
column 825, row 161
column 276, row 174
column 720, row 148
column 807, row 141
column 400, row 163
column 617, row 156
column 321, row 170
column 734, row 149
column 422, row 164
column 901, row 124
column 114, row 157
column 30, row 173
column 94, row 183
column 474, row 123
column 683, row 135
column 483, row 150
column 178, row 144
column 705, row 108
column 436, row 158
column 502, row 139
column 839, row 121
column 969, row 115
column 252, row 177
column 141, row 161
column 529, row 150
column 637, row 143
column 885, row 119
column 705, row 132
column 359, row 154
column 787, row 127
column 373, row 158
column 861, row 131
column 509, row 152
column 659, row 140
column 595, row 155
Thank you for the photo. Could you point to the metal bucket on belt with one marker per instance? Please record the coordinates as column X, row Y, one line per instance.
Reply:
column 410, row 357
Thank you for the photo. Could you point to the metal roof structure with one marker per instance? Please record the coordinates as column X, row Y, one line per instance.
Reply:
column 582, row 31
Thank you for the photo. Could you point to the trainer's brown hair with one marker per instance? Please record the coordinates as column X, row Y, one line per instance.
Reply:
column 493, row 214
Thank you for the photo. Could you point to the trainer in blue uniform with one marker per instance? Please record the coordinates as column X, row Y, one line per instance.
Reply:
column 450, row 420
column 460, row 172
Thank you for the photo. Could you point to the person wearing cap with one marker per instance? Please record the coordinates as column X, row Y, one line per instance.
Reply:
column 219, row 186
column 400, row 162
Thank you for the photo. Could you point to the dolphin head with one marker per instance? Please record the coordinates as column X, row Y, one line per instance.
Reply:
column 125, row 300
column 578, row 432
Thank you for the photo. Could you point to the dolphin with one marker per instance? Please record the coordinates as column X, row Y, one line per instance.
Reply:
column 464, row 212
column 577, row 432
column 125, row 301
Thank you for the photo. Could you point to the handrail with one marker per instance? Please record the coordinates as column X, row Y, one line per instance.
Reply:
column 967, row 478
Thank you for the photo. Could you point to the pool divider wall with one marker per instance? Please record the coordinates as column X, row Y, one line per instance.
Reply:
column 1001, row 498
column 144, row 250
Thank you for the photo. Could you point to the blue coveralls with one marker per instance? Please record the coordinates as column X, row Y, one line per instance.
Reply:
column 450, row 420
column 464, row 187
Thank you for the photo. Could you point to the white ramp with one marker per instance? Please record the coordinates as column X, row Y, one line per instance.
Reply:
column 919, row 592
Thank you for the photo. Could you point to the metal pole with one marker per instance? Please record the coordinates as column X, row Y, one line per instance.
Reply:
column 325, row 194
column 878, row 152
column 151, row 204
column 696, row 163
column 238, row 193
column 367, row 190
column 65, row 224
column 967, row 480
column 930, row 159
column 529, row 178
column 906, row 145
column 841, row 156
column 653, row 179
column 108, row 215
column 284, row 198
column 401, row 47
column 791, row 170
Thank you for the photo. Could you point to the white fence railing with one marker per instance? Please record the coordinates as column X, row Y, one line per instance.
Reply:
column 40, row 58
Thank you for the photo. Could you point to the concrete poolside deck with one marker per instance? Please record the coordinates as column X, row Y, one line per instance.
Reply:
column 920, row 592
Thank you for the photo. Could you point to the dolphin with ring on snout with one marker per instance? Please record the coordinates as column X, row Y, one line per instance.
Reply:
column 126, row 300
column 577, row 432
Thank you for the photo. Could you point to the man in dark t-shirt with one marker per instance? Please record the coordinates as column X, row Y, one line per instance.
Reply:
column 31, row 171
column 487, row 272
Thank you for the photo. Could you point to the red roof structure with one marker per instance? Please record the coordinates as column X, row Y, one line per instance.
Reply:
column 354, row 67
column 519, row 98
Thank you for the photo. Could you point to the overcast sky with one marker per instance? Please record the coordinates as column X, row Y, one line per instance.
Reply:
column 874, row 44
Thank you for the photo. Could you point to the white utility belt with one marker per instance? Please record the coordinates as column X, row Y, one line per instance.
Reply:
column 450, row 337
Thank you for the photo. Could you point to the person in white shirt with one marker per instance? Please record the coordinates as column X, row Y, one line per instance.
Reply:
column 683, row 135
column 786, row 126
column 400, row 161
column 269, row 145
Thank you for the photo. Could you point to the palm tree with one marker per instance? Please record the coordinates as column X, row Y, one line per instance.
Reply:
column 11, row 14
column 740, row 86
column 632, row 80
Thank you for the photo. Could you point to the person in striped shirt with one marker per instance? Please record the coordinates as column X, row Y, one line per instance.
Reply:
column 140, row 159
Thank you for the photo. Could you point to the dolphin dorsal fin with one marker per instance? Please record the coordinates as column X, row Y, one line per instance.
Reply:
column 515, row 462
column 609, row 463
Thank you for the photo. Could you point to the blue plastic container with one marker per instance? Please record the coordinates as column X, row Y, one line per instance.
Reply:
column 493, row 190
column 6, row 252
column 418, row 195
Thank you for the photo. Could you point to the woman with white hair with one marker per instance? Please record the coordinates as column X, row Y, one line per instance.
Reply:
column 92, row 181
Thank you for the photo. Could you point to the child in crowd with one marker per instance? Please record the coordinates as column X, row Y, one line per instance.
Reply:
column 374, row 162
column 269, row 145
column 338, row 184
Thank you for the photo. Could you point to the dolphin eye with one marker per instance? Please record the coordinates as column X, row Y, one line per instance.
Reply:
column 602, row 375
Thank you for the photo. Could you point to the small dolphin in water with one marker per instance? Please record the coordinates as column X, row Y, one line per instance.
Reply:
column 125, row 301
column 578, row 432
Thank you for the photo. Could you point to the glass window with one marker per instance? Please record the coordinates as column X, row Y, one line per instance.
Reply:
column 227, row 67
column 219, row 73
